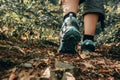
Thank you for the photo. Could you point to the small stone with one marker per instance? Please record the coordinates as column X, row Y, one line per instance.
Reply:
column 28, row 65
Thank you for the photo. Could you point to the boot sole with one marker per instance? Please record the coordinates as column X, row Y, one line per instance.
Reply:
column 70, row 41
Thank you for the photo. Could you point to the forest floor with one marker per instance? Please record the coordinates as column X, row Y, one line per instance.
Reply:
column 25, row 60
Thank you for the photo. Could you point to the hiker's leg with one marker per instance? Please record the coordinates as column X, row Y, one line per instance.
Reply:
column 93, row 12
column 90, row 22
column 70, row 6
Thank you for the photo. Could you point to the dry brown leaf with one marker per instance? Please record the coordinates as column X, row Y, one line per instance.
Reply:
column 84, row 56
column 119, row 69
column 111, row 78
column 104, row 71
column 12, row 77
column 78, row 47
column 88, row 65
column 36, row 64
column 100, row 62
column 117, row 66
column 100, row 79
column 46, row 73
column 47, row 61
column 68, row 76
column 83, row 68
column 51, row 53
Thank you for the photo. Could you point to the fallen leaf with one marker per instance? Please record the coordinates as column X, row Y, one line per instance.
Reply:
column 100, row 79
column 104, row 71
column 84, row 56
column 68, row 76
column 100, row 62
column 111, row 78
column 88, row 65
column 46, row 73
column 36, row 64
column 12, row 77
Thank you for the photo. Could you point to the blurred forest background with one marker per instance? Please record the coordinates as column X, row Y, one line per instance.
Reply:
column 29, row 29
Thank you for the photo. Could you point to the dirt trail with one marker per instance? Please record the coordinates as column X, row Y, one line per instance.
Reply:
column 43, row 63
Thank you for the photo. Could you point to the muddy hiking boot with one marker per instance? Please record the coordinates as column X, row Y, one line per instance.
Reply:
column 88, row 46
column 69, row 35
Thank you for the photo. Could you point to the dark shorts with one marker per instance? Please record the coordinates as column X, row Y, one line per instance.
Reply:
column 94, row 6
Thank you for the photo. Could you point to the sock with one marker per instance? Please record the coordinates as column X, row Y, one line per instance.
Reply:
column 88, row 37
column 67, row 15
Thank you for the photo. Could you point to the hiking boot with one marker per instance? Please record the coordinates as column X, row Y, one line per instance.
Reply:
column 88, row 46
column 69, row 35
